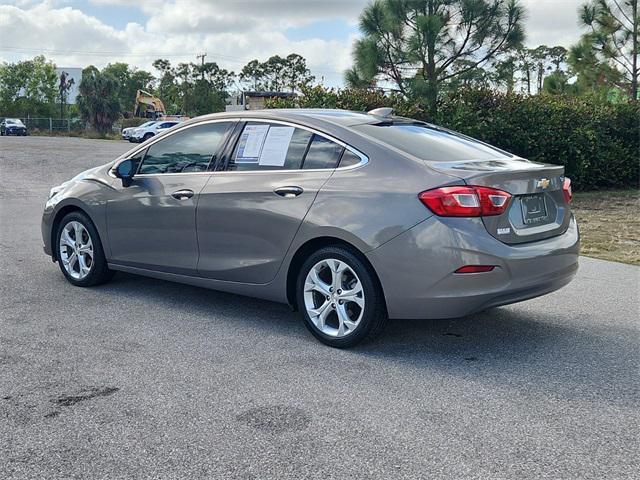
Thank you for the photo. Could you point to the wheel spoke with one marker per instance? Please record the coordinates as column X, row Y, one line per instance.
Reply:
column 82, row 266
column 337, row 269
column 78, row 231
column 319, row 315
column 315, row 283
column 86, row 248
column 344, row 322
column 70, row 261
column 66, row 239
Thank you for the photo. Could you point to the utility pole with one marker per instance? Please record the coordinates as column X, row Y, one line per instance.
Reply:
column 201, row 57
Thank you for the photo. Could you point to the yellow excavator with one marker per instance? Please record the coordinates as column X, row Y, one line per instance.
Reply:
column 148, row 106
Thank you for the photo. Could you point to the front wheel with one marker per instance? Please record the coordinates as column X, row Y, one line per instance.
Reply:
column 339, row 297
column 80, row 253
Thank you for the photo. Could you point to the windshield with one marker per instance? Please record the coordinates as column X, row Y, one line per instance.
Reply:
column 14, row 121
column 430, row 143
column 146, row 124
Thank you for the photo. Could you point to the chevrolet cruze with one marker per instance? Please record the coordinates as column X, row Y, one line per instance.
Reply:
column 350, row 218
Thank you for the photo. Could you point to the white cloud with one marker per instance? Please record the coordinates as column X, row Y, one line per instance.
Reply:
column 175, row 30
column 552, row 22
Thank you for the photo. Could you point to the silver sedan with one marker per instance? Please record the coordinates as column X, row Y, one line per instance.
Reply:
column 351, row 218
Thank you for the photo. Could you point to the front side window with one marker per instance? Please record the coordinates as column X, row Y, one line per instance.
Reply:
column 189, row 150
column 267, row 146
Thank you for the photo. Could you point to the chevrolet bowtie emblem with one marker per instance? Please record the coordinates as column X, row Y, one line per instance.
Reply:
column 543, row 183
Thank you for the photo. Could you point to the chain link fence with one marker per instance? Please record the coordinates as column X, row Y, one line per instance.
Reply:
column 47, row 124
column 62, row 126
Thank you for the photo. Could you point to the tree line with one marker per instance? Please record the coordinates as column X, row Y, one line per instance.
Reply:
column 33, row 88
column 422, row 50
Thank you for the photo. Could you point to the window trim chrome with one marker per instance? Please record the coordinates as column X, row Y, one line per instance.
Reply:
column 364, row 159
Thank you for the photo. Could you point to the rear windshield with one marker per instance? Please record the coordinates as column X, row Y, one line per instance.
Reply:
column 430, row 143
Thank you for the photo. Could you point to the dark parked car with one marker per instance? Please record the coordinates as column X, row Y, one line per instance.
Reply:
column 351, row 218
column 12, row 126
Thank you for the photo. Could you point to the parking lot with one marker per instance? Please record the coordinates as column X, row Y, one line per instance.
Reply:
column 142, row 378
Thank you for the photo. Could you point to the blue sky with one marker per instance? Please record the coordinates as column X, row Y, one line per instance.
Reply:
column 75, row 33
column 117, row 17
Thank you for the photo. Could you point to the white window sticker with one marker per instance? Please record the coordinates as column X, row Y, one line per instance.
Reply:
column 251, row 142
column 276, row 145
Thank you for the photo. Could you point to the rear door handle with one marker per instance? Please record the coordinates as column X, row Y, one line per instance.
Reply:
column 182, row 194
column 288, row 192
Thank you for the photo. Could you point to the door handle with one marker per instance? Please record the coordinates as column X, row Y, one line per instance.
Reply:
column 182, row 194
column 288, row 192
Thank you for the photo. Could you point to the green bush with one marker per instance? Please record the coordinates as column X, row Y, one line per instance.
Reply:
column 598, row 143
column 132, row 122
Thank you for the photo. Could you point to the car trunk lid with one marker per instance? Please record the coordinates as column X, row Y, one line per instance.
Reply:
column 538, row 208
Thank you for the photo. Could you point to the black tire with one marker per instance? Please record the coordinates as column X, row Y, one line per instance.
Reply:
column 147, row 136
column 99, row 272
column 374, row 317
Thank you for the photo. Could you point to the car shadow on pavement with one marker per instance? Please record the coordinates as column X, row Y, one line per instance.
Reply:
column 522, row 347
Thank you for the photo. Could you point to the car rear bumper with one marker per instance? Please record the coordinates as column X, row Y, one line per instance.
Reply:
column 416, row 268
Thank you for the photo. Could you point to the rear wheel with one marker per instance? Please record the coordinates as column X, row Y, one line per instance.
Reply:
column 339, row 297
column 80, row 253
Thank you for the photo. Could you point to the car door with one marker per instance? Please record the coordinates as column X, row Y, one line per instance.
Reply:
column 151, row 223
column 249, row 213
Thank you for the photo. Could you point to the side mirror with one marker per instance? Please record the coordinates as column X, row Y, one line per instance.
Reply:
column 125, row 172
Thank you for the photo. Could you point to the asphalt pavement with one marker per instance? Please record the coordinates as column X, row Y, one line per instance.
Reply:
column 142, row 378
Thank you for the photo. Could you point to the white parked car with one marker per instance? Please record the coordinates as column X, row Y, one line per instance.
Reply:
column 127, row 132
column 143, row 133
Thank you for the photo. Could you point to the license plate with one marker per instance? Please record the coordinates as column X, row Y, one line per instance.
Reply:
column 534, row 209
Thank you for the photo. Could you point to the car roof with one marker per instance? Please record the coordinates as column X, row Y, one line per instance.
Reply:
column 342, row 118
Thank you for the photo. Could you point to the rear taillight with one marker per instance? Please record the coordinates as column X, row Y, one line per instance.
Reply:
column 475, row 269
column 467, row 201
column 566, row 189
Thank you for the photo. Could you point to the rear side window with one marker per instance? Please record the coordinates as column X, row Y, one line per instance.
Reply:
column 430, row 143
column 323, row 153
column 349, row 159
column 189, row 150
column 265, row 146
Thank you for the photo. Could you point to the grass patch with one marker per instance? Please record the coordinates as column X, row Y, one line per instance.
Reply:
column 609, row 223
column 90, row 134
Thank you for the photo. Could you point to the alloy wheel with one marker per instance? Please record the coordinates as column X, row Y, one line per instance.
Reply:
column 76, row 250
column 334, row 297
